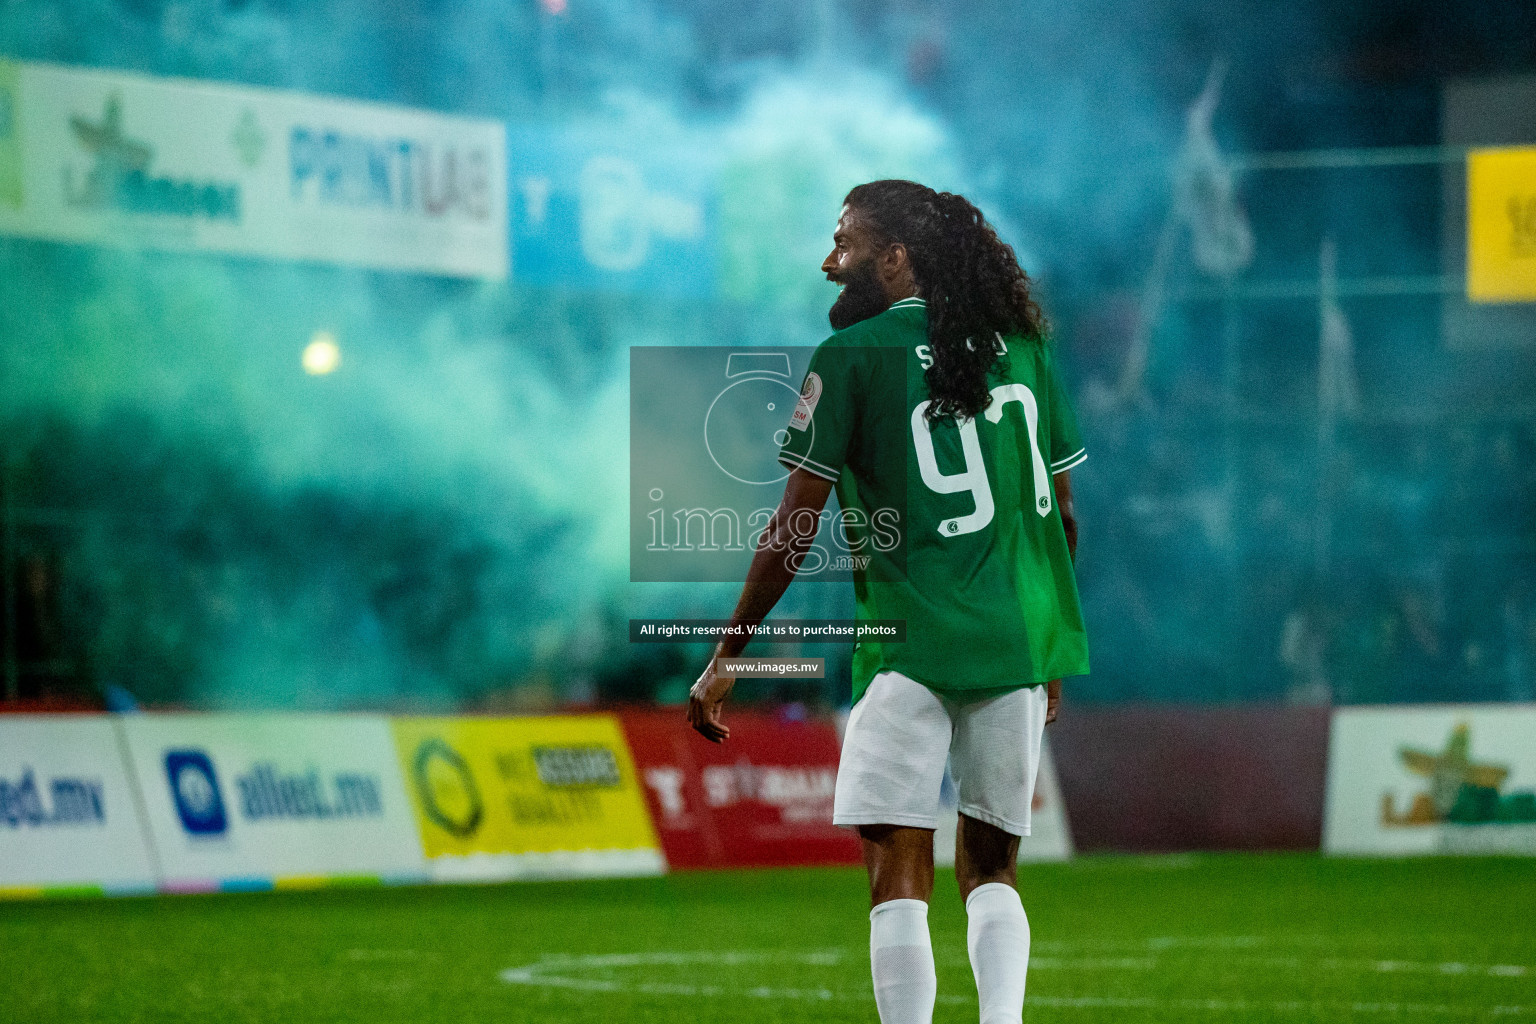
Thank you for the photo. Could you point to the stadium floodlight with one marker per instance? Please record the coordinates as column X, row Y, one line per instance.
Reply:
column 322, row 355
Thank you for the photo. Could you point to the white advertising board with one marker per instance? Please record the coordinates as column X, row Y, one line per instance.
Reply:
column 68, row 816
column 1432, row 780
column 256, row 801
column 1049, row 837
column 104, row 157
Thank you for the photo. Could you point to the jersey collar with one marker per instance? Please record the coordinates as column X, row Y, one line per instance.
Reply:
column 911, row 302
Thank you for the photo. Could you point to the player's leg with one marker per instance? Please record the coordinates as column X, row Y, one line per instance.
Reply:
column 984, row 855
column 888, row 788
column 900, row 863
column 995, row 759
column 997, row 929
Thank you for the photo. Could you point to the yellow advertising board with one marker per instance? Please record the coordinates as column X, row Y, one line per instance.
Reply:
column 1501, row 225
column 526, row 797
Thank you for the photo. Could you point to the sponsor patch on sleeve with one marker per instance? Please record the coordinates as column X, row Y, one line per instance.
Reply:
column 810, row 394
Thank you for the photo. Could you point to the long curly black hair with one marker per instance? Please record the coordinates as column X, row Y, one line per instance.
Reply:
column 970, row 279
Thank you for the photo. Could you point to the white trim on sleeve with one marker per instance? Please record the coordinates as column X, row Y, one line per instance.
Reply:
column 1075, row 459
column 810, row 465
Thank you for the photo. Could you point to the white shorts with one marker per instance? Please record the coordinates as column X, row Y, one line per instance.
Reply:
column 899, row 736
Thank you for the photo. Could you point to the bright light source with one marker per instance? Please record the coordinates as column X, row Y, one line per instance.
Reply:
column 556, row 7
column 322, row 354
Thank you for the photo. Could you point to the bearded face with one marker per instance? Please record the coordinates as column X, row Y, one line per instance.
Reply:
column 861, row 297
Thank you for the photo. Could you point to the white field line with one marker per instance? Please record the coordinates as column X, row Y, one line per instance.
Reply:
column 1158, row 944
column 571, row 967
column 1170, row 943
column 1047, row 963
column 533, row 974
column 1313, row 1009
column 1411, row 967
column 1087, row 963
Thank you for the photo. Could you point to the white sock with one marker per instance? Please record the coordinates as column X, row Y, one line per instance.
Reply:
column 997, row 936
column 901, row 960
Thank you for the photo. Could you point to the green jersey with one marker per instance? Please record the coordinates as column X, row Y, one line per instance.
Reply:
column 981, row 574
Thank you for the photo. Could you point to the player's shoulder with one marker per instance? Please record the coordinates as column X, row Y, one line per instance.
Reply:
column 1039, row 346
column 1025, row 357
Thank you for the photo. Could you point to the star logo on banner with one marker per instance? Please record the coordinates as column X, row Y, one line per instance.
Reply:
column 1452, row 768
column 106, row 140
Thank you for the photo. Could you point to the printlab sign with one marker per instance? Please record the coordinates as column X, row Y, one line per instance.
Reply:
column 91, row 156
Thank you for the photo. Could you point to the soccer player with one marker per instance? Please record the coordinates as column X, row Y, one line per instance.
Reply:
column 938, row 397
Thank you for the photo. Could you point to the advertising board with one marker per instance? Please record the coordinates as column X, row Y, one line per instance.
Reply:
column 606, row 211
column 764, row 797
column 263, row 801
column 1488, row 213
column 1447, row 779
column 174, row 164
column 1501, row 224
column 69, row 820
column 498, row 798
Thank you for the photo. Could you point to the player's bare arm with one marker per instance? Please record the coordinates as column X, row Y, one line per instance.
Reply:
column 779, row 553
column 1063, row 482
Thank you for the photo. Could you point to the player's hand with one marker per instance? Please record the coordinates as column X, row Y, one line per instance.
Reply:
column 705, row 701
column 1052, row 700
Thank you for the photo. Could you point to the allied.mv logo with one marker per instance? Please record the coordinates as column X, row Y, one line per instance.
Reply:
column 195, row 791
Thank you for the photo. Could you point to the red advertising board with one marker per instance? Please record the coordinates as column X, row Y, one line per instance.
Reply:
column 763, row 797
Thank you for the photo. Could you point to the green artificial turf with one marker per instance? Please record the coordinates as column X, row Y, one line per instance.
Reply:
column 1214, row 938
